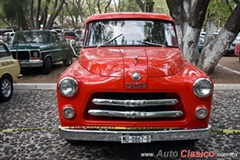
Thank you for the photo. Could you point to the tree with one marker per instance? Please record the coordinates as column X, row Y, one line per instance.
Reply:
column 125, row 6
column 30, row 14
column 99, row 4
column 189, row 21
column 73, row 12
column 13, row 11
column 146, row 5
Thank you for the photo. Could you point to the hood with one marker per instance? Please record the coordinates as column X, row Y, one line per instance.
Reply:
column 147, row 61
column 26, row 46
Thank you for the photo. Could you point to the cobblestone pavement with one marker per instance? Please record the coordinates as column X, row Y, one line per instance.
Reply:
column 38, row 108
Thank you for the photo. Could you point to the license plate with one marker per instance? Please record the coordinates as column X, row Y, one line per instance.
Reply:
column 132, row 138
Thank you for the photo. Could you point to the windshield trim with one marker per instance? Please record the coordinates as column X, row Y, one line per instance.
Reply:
column 89, row 29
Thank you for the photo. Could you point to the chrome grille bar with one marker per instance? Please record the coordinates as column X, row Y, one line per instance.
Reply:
column 134, row 103
column 135, row 114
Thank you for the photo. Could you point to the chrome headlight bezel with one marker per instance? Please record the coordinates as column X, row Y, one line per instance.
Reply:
column 201, row 112
column 35, row 54
column 68, row 86
column 201, row 86
column 68, row 112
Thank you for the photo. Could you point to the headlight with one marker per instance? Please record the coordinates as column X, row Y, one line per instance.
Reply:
column 35, row 54
column 68, row 112
column 68, row 86
column 201, row 112
column 202, row 87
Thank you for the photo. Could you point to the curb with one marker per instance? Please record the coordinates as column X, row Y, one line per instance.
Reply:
column 43, row 86
column 52, row 86
column 227, row 87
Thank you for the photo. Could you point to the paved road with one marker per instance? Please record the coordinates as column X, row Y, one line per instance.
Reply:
column 38, row 108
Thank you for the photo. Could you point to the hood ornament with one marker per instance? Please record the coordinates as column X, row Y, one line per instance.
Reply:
column 135, row 59
column 136, row 76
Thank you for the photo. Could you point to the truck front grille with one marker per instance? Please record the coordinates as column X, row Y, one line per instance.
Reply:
column 132, row 106
column 21, row 55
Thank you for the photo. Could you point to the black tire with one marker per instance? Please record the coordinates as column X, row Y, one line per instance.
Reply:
column 6, row 88
column 47, row 65
column 68, row 61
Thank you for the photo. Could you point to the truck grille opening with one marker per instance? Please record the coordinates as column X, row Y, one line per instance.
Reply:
column 21, row 55
column 134, row 106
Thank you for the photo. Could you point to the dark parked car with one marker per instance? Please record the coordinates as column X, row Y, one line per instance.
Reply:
column 200, row 43
column 69, row 35
column 237, row 50
column 40, row 48
column 232, row 47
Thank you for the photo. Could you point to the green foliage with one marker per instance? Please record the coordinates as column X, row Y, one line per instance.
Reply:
column 12, row 11
column 130, row 6
column 160, row 6
column 150, row 2
column 219, row 11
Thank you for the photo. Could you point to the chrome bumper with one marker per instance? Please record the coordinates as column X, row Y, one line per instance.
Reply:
column 20, row 76
column 115, row 136
column 31, row 63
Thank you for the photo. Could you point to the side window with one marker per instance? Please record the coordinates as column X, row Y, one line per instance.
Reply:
column 171, row 37
column 3, row 51
column 55, row 38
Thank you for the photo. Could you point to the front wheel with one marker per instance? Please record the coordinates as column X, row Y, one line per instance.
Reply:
column 6, row 88
column 46, row 68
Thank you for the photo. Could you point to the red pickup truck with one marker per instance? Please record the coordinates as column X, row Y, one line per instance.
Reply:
column 237, row 50
column 131, row 84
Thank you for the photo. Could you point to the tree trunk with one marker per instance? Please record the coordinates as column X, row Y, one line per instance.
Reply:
column 189, row 20
column 37, row 25
column 180, row 11
column 106, row 7
column 82, row 9
column 146, row 6
column 44, row 14
column 70, row 14
column 31, row 19
column 214, row 50
column 209, row 31
column 55, row 14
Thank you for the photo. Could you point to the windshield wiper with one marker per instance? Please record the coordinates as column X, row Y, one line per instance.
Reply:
column 150, row 43
column 112, row 39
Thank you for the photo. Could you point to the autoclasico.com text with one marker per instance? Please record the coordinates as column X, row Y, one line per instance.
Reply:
column 189, row 154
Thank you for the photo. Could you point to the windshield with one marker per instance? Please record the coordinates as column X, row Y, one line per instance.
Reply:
column 32, row 37
column 132, row 32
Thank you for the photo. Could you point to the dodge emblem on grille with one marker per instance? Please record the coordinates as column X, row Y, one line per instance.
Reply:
column 136, row 76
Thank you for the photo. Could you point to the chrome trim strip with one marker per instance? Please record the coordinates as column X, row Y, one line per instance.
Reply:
column 135, row 114
column 20, row 76
column 31, row 63
column 136, row 59
column 115, row 136
column 134, row 103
